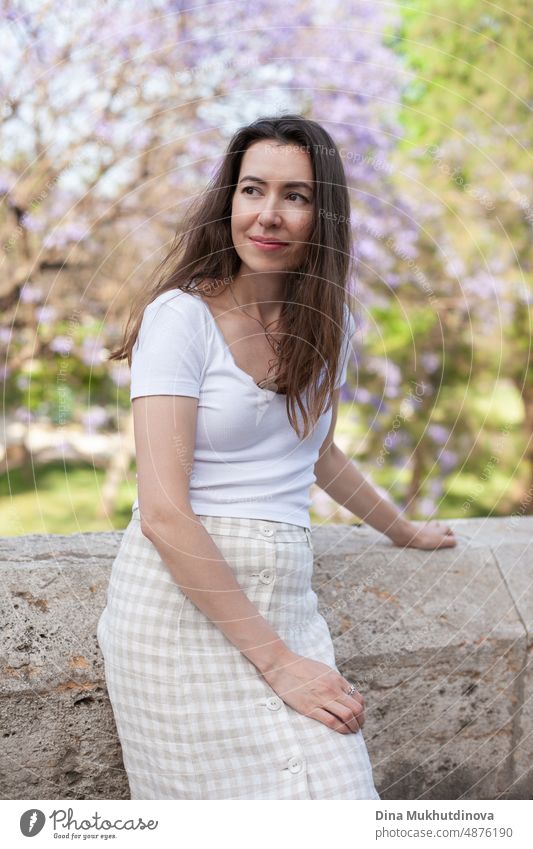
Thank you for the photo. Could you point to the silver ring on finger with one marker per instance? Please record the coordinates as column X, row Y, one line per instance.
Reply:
column 352, row 690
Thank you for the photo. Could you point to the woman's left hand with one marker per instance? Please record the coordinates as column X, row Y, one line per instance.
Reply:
column 432, row 534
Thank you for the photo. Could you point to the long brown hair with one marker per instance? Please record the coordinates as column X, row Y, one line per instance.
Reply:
column 316, row 292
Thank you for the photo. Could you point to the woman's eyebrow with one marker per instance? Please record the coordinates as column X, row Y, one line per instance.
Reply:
column 290, row 184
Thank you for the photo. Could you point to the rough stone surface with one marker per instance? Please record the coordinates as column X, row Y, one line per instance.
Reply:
column 439, row 642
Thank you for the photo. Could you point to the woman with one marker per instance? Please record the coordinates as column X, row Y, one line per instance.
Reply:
column 220, row 670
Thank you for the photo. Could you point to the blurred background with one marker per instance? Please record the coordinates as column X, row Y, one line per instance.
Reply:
column 114, row 116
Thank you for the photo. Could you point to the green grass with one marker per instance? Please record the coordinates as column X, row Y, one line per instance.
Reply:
column 58, row 499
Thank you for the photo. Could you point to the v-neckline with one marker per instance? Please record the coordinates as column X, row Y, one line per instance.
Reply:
column 226, row 347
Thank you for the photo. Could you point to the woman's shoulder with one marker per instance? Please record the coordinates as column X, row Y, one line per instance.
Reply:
column 179, row 300
column 174, row 315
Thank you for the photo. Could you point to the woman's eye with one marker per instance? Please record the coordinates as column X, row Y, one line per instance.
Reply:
column 292, row 194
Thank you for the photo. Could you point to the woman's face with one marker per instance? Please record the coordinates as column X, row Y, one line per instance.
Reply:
column 268, row 208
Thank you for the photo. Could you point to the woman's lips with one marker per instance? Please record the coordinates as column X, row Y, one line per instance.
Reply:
column 269, row 246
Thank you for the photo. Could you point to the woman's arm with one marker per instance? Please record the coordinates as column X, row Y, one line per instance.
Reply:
column 337, row 475
column 342, row 480
column 164, row 427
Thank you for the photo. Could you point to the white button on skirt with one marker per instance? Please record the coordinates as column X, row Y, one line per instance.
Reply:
column 195, row 718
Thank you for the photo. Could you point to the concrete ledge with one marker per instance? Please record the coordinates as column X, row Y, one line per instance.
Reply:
column 439, row 643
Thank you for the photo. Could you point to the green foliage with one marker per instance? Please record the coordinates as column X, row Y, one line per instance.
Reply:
column 394, row 333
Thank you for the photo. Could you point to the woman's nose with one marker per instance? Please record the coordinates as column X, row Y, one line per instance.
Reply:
column 269, row 215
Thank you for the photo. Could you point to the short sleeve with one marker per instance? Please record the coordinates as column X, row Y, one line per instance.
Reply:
column 168, row 357
column 346, row 349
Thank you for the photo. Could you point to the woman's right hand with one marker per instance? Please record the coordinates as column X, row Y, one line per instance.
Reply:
column 316, row 690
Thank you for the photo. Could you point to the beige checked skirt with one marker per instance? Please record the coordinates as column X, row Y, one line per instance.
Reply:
column 195, row 718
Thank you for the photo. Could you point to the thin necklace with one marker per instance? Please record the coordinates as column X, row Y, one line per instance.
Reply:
column 276, row 345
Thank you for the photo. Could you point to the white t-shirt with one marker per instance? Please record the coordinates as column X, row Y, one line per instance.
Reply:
column 248, row 460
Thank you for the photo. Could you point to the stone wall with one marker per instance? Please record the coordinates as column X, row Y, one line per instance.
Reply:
column 439, row 642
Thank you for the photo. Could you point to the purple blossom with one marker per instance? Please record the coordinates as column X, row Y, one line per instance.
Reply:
column 45, row 315
column 94, row 418
column 438, row 433
column 61, row 236
column 91, row 351
column 367, row 250
column 4, row 186
column 405, row 249
column 392, row 391
column 447, row 460
column 23, row 414
column 362, row 395
column 32, row 223
column 435, row 487
column 392, row 280
column 345, row 394
column 30, row 294
column 392, row 439
column 378, row 403
column 61, row 344
column 5, row 335
column 481, row 285
column 430, row 361
column 5, row 371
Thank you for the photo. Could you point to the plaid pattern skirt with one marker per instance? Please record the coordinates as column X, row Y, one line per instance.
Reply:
column 195, row 718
